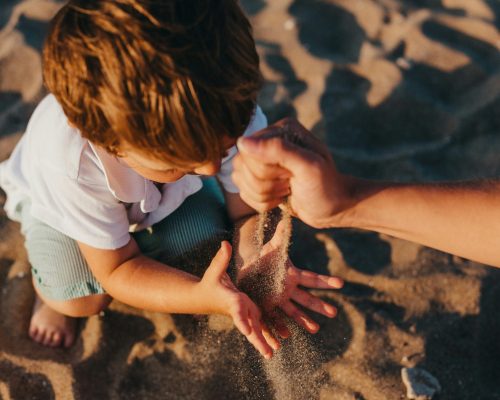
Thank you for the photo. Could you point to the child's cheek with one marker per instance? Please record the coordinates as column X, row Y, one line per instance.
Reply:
column 167, row 177
column 157, row 176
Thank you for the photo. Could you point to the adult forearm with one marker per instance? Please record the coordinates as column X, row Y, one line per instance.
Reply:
column 459, row 218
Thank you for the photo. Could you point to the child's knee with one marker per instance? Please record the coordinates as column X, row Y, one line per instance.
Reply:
column 80, row 307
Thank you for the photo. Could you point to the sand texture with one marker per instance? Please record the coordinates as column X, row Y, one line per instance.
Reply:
column 399, row 89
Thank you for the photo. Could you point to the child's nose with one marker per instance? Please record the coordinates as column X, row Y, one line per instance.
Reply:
column 210, row 168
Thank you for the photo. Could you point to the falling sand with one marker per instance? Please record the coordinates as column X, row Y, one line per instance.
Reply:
column 401, row 300
column 274, row 264
column 294, row 372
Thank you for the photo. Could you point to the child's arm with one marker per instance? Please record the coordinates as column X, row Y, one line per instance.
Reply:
column 142, row 282
column 246, row 254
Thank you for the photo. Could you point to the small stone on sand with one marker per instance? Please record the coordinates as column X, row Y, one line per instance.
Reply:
column 420, row 384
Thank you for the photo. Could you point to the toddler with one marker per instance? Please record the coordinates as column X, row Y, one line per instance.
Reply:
column 147, row 97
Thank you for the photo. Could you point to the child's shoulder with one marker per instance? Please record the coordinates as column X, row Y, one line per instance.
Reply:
column 51, row 140
column 49, row 121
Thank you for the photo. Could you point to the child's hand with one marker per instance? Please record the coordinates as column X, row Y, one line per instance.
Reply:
column 286, row 293
column 228, row 300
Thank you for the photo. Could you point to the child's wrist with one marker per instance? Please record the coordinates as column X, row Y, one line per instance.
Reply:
column 206, row 300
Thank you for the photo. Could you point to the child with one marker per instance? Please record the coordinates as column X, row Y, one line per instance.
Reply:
column 146, row 96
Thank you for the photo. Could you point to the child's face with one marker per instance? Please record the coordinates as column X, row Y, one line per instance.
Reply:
column 163, row 171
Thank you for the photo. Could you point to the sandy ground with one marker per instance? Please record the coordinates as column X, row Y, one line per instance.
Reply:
column 399, row 89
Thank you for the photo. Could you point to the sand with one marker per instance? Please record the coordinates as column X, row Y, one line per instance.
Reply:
column 399, row 89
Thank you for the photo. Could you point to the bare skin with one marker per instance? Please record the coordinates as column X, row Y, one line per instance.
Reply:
column 50, row 328
column 455, row 217
column 57, row 329
column 147, row 284
column 53, row 323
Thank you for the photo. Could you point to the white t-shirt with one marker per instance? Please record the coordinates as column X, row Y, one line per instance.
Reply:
column 86, row 193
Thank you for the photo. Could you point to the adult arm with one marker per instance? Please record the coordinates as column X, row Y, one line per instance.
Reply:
column 460, row 218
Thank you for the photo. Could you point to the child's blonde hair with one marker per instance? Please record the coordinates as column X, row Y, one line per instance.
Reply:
column 170, row 78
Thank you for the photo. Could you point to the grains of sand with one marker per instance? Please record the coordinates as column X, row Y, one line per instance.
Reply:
column 294, row 372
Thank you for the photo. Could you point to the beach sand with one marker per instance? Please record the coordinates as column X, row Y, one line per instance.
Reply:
column 399, row 89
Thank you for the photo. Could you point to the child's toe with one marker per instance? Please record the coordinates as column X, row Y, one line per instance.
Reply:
column 56, row 339
column 40, row 336
column 33, row 332
column 47, row 340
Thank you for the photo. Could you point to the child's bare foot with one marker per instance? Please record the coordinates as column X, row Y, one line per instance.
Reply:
column 50, row 328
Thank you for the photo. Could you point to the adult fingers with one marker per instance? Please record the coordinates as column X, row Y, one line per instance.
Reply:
column 304, row 137
column 300, row 317
column 279, row 325
column 259, row 153
column 265, row 185
column 260, row 191
column 312, row 303
column 312, row 280
column 248, row 196
column 261, row 168
column 294, row 132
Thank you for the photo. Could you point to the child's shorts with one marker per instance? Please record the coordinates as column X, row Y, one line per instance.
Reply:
column 188, row 239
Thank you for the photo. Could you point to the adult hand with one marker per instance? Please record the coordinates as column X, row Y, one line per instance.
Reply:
column 269, row 168
column 220, row 290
